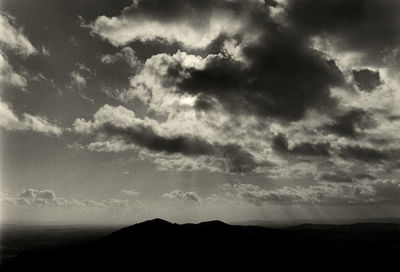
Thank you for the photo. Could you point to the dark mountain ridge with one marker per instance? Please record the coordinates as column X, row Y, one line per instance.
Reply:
column 158, row 244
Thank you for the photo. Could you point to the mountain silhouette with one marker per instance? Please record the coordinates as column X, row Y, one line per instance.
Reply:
column 160, row 245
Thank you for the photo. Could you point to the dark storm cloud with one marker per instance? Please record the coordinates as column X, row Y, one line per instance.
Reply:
column 365, row 176
column 351, row 123
column 366, row 154
column 238, row 160
column 337, row 176
column 262, row 88
column 366, row 80
column 280, row 145
column 369, row 26
column 283, row 77
column 146, row 136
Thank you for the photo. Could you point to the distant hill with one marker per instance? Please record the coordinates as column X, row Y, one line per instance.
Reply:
column 330, row 221
column 161, row 245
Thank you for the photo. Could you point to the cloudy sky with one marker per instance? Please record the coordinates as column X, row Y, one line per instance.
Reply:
column 119, row 111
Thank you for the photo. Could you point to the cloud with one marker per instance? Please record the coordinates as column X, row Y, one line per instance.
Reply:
column 45, row 51
column 13, row 38
column 369, row 27
column 115, row 203
column 180, row 195
column 367, row 80
column 281, row 145
column 38, row 196
column 8, row 77
column 247, row 87
column 28, row 122
column 130, row 192
column 366, row 154
column 351, row 124
column 261, row 88
column 35, row 197
column 337, row 176
column 253, row 72
column 362, row 192
column 193, row 23
column 126, row 54
column 113, row 145
column 125, row 131
column 79, row 80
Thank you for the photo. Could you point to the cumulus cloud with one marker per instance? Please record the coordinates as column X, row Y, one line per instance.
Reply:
column 10, row 121
column 126, row 131
column 38, row 196
column 181, row 195
column 257, row 86
column 35, row 197
column 248, row 87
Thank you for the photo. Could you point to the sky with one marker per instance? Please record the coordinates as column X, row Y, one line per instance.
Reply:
column 114, row 112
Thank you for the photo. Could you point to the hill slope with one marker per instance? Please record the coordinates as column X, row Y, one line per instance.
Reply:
column 158, row 244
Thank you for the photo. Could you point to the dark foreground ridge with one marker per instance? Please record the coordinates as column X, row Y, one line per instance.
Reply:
column 161, row 245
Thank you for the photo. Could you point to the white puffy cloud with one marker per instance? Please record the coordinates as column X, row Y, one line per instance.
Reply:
column 117, row 116
column 35, row 197
column 39, row 124
column 45, row 196
column 148, row 85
